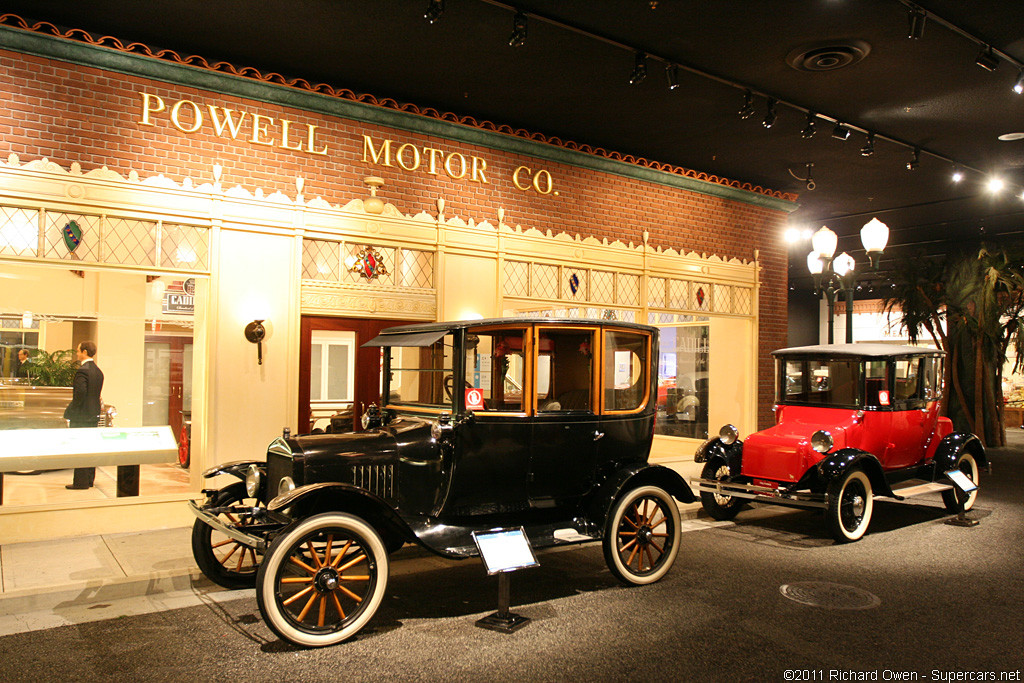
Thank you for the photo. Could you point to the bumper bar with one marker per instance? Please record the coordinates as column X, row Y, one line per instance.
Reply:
column 761, row 493
column 234, row 534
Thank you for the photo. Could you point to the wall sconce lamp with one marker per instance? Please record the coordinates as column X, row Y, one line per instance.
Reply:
column 255, row 332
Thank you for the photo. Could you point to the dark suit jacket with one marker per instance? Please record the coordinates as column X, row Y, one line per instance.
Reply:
column 85, row 399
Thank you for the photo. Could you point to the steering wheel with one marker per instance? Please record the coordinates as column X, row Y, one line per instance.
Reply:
column 449, row 386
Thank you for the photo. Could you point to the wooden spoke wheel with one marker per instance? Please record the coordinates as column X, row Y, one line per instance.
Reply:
column 222, row 559
column 719, row 506
column 969, row 466
column 850, row 503
column 642, row 536
column 323, row 580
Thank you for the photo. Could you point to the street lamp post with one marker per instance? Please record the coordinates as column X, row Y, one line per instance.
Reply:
column 834, row 276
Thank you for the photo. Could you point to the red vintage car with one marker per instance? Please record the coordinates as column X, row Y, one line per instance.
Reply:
column 853, row 421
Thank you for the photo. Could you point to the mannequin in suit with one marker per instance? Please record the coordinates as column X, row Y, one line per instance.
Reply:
column 84, row 409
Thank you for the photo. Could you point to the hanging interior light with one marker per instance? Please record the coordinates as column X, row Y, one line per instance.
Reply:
column 995, row 184
column 809, row 127
column 771, row 115
column 874, row 236
column 518, row 36
column 26, row 320
column 824, row 243
column 748, row 105
column 435, row 8
column 869, row 147
column 987, row 59
column 915, row 21
column 840, row 132
column 958, row 175
column 672, row 76
column 1018, row 86
column 639, row 69
column 914, row 160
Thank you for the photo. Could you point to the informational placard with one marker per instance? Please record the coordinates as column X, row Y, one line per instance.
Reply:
column 38, row 449
column 962, row 481
column 504, row 550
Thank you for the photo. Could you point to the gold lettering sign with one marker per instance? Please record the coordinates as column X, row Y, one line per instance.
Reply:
column 255, row 128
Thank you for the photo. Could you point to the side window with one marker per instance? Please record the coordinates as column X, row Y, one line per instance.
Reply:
column 876, row 384
column 565, row 371
column 823, row 382
column 625, row 370
column 931, row 369
column 495, row 365
column 907, row 375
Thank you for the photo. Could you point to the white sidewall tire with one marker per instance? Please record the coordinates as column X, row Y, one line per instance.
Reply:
column 839, row 531
column 611, row 551
column 280, row 550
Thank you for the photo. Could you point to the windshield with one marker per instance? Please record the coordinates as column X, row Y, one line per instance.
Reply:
column 422, row 376
column 821, row 382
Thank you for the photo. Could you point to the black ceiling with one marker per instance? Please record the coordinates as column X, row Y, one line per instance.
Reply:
column 571, row 79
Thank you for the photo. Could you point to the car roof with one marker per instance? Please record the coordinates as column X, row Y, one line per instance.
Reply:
column 462, row 324
column 858, row 351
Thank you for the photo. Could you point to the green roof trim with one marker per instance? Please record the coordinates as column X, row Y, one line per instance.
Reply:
column 108, row 59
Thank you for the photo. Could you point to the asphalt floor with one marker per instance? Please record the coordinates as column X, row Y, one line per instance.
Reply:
column 767, row 598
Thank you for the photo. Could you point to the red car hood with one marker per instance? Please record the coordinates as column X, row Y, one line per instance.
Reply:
column 783, row 453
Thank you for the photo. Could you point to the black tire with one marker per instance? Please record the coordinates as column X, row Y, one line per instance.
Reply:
column 718, row 506
column 224, row 561
column 643, row 528
column 302, row 563
column 850, row 504
column 969, row 466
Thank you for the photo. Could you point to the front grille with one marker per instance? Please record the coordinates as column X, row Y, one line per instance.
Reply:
column 278, row 467
column 377, row 479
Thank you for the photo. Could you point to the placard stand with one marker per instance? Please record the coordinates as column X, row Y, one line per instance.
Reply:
column 962, row 487
column 503, row 552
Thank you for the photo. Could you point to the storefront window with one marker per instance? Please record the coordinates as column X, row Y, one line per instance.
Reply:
column 142, row 327
column 683, row 381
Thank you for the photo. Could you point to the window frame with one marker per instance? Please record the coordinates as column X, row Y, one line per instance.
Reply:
column 650, row 365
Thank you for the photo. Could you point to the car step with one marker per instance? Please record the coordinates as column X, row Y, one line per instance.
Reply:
column 921, row 489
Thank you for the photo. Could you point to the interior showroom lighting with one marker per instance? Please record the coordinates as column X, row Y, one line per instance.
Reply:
column 840, row 132
column 748, row 105
column 995, row 184
column 639, row 69
column 987, row 59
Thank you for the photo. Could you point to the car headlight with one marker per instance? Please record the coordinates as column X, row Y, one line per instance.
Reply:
column 728, row 434
column 252, row 481
column 286, row 485
column 821, row 441
column 365, row 419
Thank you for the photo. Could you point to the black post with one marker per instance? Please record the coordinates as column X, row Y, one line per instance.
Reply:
column 849, row 315
column 830, row 296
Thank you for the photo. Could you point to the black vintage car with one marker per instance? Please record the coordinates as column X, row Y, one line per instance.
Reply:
column 541, row 423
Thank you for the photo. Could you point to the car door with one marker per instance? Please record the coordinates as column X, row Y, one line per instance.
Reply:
column 913, row 419
column 566, row 425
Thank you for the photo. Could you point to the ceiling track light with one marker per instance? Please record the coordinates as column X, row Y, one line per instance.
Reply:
column 518, row 36
column 672, row 76
column 914, row 160
column 435, row 8
column 840, row 132
column 869, row 146
column 748, row 105
column 1018, row 86
column 639, row 69
column 809, row 128
column 771, row 115
column 915, row 20
column 958, row 175
column 987, row 59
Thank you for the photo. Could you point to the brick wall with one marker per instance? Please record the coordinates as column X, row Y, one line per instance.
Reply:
column 70, row 113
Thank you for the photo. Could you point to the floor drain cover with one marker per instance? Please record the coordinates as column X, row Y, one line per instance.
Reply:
column 829, row 595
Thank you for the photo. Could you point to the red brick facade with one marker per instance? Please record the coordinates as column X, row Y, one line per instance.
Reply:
column 70, row 113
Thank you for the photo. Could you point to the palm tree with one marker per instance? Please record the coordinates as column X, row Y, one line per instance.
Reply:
column 55, row 369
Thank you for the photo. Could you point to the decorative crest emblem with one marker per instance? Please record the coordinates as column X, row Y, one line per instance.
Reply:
column 700, row 296
column 72, row 236
column 574, row 283
column 368, row 263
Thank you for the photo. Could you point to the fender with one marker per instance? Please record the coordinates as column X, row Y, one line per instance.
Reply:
column 950, row 448
column 236, row 468
column 732, row 454
column 631, row 477
column 313, row 499
column 839, row 463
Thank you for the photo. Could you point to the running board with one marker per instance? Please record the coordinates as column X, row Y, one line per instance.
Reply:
column 921, row 489
column 761, row 493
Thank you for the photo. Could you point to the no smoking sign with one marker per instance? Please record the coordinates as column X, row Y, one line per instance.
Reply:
column 474, row 399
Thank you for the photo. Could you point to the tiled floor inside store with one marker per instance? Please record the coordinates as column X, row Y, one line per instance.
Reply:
column 47, row 487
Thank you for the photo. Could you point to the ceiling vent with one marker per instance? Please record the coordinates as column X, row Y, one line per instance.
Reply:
column 827, row 56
